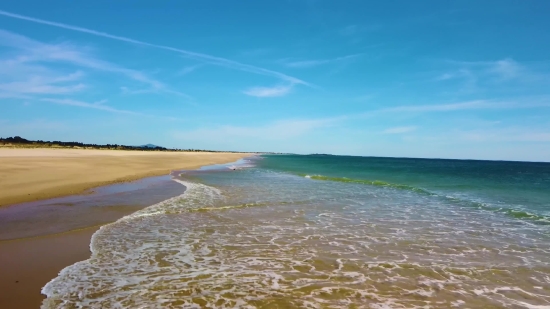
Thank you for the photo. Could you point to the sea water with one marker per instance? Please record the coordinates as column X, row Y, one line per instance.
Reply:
column 289, row 231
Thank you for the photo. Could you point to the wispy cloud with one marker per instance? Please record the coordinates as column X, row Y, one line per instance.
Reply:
column 506, row 68
column 188, row 69
column 21, row 76
column 478, row 75
column 43, row 85
column 102, row 106
column 470, row 105
column 194, row 55
column 441, row 107
column 399, row 130
column 263, row 92
column 317, row 62
column 37, row 52
column 99, row 105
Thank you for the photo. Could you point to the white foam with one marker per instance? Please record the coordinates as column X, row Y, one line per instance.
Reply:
column 303, row 243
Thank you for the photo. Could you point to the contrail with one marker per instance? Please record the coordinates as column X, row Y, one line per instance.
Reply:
column 203, row 57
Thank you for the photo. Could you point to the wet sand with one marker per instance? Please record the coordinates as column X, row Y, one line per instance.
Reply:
column 39, row 239
column 28, row 264
column 106, row 204
column 37, row 174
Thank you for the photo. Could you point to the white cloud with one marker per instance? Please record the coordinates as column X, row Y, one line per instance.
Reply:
column 194, row 55
column 399, row 130
column 264, row 92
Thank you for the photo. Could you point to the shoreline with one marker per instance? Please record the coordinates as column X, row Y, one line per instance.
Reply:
column 23, row 275
column 70, row 213
column 29, row 263
column 36, row 174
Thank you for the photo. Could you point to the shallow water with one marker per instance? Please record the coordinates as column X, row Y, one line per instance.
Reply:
column 265, row 237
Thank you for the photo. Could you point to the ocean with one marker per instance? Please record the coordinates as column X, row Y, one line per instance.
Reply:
column 322, row 231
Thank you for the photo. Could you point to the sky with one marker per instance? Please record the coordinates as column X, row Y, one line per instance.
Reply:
column 431, row 79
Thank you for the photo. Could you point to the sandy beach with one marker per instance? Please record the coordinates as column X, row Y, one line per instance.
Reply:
column 36, row 174
column 29, row 176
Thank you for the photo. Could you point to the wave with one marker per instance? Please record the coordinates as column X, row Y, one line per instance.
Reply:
column 69, row 287
column 515, row 213
column 377, row 183
column 510, row 212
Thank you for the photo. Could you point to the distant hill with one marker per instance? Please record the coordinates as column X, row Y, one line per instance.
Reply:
column 150, row 146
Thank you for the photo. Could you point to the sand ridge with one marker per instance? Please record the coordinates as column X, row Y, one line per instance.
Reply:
column 35, row 174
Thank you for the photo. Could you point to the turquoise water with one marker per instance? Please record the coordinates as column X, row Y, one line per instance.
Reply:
column 519, row 189
column 292, row 231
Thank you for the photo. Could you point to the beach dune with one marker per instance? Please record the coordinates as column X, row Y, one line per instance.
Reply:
column 35, row 174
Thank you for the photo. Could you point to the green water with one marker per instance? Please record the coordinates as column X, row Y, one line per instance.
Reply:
column 518, row 189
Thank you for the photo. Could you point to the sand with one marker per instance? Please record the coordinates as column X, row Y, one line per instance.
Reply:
column 36, row 174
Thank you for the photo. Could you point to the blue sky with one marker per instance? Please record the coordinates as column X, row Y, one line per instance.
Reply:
column 460, row 79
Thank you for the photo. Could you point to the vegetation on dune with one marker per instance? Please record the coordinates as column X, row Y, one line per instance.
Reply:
column 20, row 142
